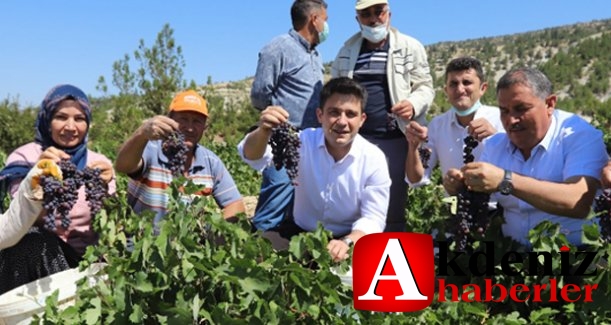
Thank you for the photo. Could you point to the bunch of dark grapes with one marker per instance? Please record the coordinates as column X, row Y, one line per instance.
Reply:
column 471, row 218
column 69, row 170
column 602, row 207
column 53, row 190
column 95, row 188
column 59, row 197
column 425, row 155
column 472, row 211
column 470, row 144
column 175, row 149
column 285, row 148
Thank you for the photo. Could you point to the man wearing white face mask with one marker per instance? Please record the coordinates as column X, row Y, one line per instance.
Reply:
column 289, row 74
column 465, row 84
column 394, row 69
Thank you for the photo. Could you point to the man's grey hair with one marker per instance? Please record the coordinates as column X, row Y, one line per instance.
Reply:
column 532, row 78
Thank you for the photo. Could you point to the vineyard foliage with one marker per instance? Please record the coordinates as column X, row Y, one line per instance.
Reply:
column 200, row 269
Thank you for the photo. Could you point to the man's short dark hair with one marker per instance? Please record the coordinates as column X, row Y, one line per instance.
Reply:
column 465, row 63
column 302, row 9
column 343, row 86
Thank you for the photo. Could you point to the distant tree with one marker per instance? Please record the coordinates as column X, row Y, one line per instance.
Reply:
column 159, row 76
column 161, row 70
column 16, row 125
column 599, row 78
column 123, row 78
column 101, row 86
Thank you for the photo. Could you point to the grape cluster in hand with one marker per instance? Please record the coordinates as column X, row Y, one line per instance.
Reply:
column 425, row 155
column 175, row 149
column 472, row 212
column 602, row 207
column 95, row 188
column 470, row 144
column 60, row 196
column 285, row 148
column 471, row 218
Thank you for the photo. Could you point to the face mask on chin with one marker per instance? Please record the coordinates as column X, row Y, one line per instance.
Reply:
column 374, row 34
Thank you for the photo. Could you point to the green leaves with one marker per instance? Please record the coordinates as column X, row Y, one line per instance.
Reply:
column 92, row 315
column 200, row 267
column 142, row 284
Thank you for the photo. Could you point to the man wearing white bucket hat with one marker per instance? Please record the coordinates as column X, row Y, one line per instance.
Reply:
column 394, row 69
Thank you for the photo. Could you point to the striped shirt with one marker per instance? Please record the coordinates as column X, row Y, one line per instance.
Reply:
column 370, row 72
column 148, row 189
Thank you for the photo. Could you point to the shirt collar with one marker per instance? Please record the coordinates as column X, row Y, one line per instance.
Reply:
column 547, row 139
column 294, row 34
column 454, row 119
column 545, row 142
column 355, row 148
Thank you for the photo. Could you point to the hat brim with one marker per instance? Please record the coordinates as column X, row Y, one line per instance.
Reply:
column 367, row 4
column 189, row 109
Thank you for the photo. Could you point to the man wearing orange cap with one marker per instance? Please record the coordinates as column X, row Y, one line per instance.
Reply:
column 142, row 159
column 394, row 69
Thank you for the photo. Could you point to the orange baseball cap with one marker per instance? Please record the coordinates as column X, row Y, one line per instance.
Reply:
column 189, row 100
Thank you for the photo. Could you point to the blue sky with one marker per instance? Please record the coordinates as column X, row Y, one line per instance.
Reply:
column 49, row 42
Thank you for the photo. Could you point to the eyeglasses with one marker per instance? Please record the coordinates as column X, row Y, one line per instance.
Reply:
column 376, row 12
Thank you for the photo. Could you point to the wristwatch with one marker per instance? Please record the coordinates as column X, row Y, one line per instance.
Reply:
column 506, row 186
column 347, row 241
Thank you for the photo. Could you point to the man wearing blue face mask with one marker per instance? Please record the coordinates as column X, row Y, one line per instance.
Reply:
column 394, row 69
column 289, row 74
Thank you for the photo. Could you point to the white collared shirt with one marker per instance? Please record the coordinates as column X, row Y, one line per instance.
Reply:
column 571, row 147
column 446, row 141
column 345, row 195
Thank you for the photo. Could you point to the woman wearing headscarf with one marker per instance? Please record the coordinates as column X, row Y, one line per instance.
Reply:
column 62, row 126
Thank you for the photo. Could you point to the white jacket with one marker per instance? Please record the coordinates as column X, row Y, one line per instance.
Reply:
column 408, row 71
column 21, row 214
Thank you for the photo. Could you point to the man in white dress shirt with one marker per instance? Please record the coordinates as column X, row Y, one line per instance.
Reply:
column 465, row 84
column 343, row 179
column 545, row 167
